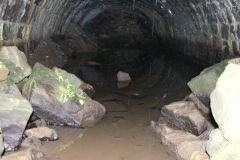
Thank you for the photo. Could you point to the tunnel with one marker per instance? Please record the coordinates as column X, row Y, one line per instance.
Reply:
column 161, row 44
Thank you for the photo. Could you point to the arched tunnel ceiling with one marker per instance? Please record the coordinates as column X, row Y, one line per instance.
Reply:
column 208, row 30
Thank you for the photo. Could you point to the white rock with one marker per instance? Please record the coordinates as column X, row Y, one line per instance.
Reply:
column 216, row 140
column 123, row 77
column 225, row 102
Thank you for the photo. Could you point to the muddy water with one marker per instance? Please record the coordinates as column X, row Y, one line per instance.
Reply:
column 124, row 134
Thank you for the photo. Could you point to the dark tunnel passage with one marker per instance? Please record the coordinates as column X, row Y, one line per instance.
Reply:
column 158, row 46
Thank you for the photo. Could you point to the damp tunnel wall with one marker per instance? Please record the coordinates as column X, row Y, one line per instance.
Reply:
column 206, row 31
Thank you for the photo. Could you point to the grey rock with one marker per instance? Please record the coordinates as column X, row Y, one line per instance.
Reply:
column 185, row 116
column 216, row 140
column 16, row 62
column 14, row 114
column 58, row 102
column 74, row 80
column 42, row 133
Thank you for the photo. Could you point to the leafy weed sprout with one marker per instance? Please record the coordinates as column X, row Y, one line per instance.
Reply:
column 69, row 91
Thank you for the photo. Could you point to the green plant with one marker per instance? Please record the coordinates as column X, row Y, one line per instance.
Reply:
column 2, row 65
column 69, row 91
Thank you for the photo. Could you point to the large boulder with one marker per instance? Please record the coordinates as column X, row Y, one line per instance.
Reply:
column 1, row 143
column 228, row 151
column 216, row 140
column 179, row 144
column 203, row 84
column 59, row 102
column 184, row 115
column 14, row 114
column 74, row 80
column 225, row 102
column 16, row 62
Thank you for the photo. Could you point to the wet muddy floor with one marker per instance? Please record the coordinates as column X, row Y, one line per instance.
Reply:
column 124, row 133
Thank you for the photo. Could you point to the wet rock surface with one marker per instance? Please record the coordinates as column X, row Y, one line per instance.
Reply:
column 16, row 62
column 184, row 115
column 58, row 102
column 42, row 133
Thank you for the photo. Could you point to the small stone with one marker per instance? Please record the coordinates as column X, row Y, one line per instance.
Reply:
column 42, row 133
column 123, row 77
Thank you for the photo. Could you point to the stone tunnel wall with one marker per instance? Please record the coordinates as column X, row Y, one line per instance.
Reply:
column 207, row 30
